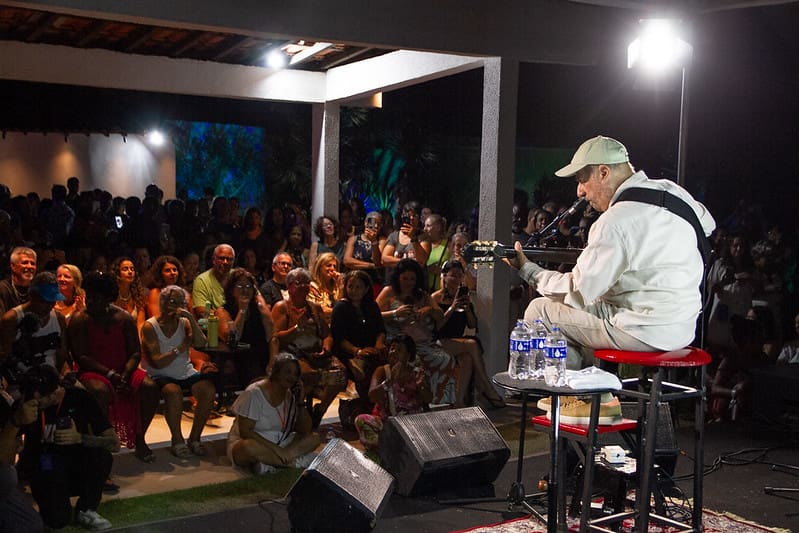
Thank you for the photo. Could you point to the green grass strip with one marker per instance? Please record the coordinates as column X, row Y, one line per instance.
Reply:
column 199, row 500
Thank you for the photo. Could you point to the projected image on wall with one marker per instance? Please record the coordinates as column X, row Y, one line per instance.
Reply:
column 228, row 158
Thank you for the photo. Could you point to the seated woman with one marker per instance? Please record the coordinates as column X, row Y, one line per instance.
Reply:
column 407, row 308
column 364, row 251
column 166, row 270
column 165, row 345
column 271, row 428
column 105, row 344
column 130, row 293
column 454, row 301
column 300, row 328
column 359, row 334
column 248, row 317
column 398, row 388
column 326, row 281
column 69, row 278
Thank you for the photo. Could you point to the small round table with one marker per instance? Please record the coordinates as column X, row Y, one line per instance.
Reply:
column 556, row 498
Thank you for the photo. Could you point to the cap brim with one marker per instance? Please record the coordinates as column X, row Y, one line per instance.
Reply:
column 569, row 170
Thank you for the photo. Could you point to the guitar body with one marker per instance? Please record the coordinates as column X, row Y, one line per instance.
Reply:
column 488, row 252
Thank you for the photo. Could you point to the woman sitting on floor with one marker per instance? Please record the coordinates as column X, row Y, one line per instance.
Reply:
column 271, row 428
column 398, row 388
column 165, row 346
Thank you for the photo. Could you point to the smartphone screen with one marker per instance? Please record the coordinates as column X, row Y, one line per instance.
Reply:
column 118, row 221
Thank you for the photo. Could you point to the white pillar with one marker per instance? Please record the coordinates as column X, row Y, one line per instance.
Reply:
column 497, row 169
column 324, row 161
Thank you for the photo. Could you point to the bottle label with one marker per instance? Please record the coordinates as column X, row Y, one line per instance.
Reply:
column 537, row 343
column 556, row 352
column 520, row 345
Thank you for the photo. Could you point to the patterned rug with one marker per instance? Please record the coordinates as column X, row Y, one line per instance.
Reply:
column 713, row 522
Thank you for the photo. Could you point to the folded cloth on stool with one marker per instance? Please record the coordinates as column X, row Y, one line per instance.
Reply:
column 592, row 378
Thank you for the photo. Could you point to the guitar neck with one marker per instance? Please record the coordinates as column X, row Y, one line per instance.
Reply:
column 551, row 255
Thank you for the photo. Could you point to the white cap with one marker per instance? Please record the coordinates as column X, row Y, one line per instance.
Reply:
column 597, row 151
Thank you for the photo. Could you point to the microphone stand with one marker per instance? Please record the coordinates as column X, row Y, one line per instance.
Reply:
column 536, row 238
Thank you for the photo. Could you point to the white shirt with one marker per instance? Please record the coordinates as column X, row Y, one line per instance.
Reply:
column 640, row 271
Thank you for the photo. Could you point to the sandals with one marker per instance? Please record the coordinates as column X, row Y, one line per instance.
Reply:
column 144, row 454
column 181, row 450
column 197, row 448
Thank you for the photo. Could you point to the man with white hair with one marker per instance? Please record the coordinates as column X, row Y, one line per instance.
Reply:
column 14, row 290
column 636, row 284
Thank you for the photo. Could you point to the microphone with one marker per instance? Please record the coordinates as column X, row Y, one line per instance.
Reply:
column 577, row 206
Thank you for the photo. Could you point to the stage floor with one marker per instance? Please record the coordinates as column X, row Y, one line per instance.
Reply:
column 736, row 489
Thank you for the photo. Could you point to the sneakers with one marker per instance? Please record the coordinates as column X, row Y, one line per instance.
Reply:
column 91, row 520
column 261, row 469
column 575, row 411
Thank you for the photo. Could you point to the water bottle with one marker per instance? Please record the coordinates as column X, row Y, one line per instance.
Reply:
column 232, row 341
column 203, row 321
column 519, row 365
column 555, row 364
column 538, row 336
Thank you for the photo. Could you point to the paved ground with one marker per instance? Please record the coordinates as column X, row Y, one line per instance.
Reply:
column 737, row 488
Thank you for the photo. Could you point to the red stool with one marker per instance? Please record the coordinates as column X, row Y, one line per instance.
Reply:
column 651, row 392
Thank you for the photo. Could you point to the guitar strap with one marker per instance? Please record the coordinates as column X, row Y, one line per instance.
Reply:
column 675, row 205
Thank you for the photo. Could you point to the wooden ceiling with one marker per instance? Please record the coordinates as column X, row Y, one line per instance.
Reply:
column 33, row 26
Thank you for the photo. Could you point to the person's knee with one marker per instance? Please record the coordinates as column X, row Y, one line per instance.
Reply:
column 203, row 390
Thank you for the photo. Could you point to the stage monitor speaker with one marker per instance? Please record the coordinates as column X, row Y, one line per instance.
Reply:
column 340, row 491
column 446, row 450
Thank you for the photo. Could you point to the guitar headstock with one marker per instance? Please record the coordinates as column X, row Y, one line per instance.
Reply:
column 479, row 253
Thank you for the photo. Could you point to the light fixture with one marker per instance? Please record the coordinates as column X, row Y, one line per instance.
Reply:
column 156, row 138
column 276, row 59
column 657, row 50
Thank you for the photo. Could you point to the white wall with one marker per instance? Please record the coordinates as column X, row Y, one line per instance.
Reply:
column 35, row 162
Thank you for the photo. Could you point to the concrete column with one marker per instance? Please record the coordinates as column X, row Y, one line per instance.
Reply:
column 324, row 162
column 497, row 170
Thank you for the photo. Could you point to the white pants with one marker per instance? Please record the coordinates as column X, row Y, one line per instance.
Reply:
column 583, row 331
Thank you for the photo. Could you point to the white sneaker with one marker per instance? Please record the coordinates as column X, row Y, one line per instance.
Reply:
column 92, row 520
column 261, row 469
column 303, row 461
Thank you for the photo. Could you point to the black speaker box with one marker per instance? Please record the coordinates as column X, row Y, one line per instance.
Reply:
column 340, row 491
column 442, row 450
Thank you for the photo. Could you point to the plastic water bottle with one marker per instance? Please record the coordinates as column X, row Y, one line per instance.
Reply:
column 519, row 364
column 555, row 365
column 538, row 337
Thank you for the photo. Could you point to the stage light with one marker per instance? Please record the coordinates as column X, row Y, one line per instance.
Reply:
column 657, row 50
column 156, row 138
column 276, row 59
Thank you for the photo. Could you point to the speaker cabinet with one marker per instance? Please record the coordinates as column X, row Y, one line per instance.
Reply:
column 442, row 450
column 340, row 491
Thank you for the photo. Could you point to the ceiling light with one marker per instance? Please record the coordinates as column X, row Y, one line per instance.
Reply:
column 156, row 138
column 276, row 59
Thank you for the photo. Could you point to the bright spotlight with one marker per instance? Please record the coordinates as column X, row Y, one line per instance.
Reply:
column 156, row 138
column 658, row 48
column 276, row 59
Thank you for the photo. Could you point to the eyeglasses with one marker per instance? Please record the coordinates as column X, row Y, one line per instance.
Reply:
column 243, row 286
column 174, row 301
column 284, row 263
column 301, row 283
column 224, row 259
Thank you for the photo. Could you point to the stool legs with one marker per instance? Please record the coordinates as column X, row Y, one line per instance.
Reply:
column 647, row 447
column 699, row 452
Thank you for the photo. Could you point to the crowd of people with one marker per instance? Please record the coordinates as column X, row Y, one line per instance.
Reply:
column 116, row 298
column 95, row 334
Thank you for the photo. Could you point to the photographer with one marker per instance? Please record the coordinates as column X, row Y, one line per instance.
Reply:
column 33, row 333
column 67, row 450
column 17, row 515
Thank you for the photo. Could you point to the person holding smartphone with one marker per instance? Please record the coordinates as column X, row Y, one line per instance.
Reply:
column 458, row 314
column 272, row 429
column 408, row 242
column 365, row 251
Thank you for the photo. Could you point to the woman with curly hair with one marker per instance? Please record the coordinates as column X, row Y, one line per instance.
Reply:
column 246, row 315
column 166, row 270
column 131, row 293
column 327, row 230
column 407, row 308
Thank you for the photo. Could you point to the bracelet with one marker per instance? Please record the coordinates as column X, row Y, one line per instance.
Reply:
column 175, row 351
column 358, row 352
column 394, row 315
column 110, row 373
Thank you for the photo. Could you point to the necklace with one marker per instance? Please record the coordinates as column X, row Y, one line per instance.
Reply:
column 124, row 298
column 20, row 295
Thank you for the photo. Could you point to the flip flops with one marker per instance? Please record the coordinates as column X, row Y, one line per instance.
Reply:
column 197, row 448
column 181, row 450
